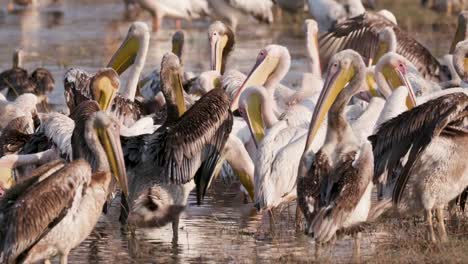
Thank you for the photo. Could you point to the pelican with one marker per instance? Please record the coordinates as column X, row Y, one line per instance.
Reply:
column 458, row 62
column 179, row 9
column 334, row 185
column 164, row 165
column 361, row 34
column 461, row 32
column 49, row 215
column 132, row 52
column 222, row 40
column 17, row 82
column 234, row 10
column 433, row 136
column 329, row 12
column 13, row 137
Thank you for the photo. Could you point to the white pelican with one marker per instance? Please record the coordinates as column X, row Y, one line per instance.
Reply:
column 233, row 11
column 361, row 34
column 433, row 136
column 329, row 12
column 163, row 166
column 49, row 214
column 334, row 185
column 179, row 9
column 17, row 82
column 222, row 41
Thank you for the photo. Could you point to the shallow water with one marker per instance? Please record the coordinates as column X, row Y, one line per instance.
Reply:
column 85, row 33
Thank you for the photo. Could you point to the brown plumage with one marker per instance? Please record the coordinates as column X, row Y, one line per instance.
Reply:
column 361, row 34
column 15, row 135
column 16, row 80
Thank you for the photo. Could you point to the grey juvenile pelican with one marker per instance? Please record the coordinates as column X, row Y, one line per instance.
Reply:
column 361, row 34
column 16, row 80
column 334, row 185
column 50, row 214
column 163, row 165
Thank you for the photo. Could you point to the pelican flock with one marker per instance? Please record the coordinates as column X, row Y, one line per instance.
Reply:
column 377, row 130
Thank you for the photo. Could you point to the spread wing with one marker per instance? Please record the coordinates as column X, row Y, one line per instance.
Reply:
column 413, row 131
column 27, row 218
column 190, row 148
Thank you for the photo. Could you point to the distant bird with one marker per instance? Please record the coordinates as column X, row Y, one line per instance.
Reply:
column 329, row 12
column 334, row 185
column 361, row 33
column 164, row 166
column 433, row 136
column 50, row 214
column 232, row 11
column 17, row 82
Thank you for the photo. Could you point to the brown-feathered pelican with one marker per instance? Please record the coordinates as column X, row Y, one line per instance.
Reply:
column 132, row 52
column 16, row 80
column 433, row 136
column 44, row 217
column 186, row 148
column 13, row 137
column 361, row 34
column 178, row 9
column 334, row 185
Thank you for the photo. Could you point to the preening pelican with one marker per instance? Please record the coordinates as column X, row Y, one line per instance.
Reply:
column 49, row 215
column 361, row 34
column 186, row 148
column 434, row 137
column 132, row 52
column 234, row 10
column 334, row 185
column 16, row 80
column 179, row 9
column 329, row 12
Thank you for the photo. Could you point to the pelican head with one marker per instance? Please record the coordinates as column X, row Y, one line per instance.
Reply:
column 206, row 82
column 104, row 86
column 387, row 43
column 222, row 41
column 311, row 33
column 390, row 73
column 134, row 44
column 271, row 66
column 388, row 15
column 108, row 130
column 460, row 60
column 250, row 104
column 462, row 30
column 171, row 81
column 178, row 40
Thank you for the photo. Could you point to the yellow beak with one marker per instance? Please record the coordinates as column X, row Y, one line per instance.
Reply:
column 257, row 77
column 372, row 84
column 178, row 93
column 125, row 55
column 110, row 139
column 382, row 49
column 105, row 86
column 395, row 79
column 254, row 118
column 336, row 80
column 6, row 178
column 217, row 43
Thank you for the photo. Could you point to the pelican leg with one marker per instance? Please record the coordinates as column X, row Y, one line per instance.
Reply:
column 449, row 7
column 357, row 248
column 175, row 230
column 271, row 215
column 440, row 220
column 156, row 22
column 299, row 219
column 431, row 227
column 178, row 24
column 64, row 258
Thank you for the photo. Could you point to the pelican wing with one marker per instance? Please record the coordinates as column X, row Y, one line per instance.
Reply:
column 77, row 87
column 346, row 185
column 191, row 147
column 361, row 33
column 412, row 132
column 260, row 9
column 28, row 218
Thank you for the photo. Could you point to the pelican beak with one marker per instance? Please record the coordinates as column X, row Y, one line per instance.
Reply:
column 178, row 89
column 247, row 182
column 382, row 49
column 6, row 178
column 125, row 55
column 105, row 85
column 253, row 117
column 110, row 140
column 336, row 80
column 217, row 44
column 396, row 78
column 461, row 33
column 177, row 47
column 372, row 84
column 257, row 76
